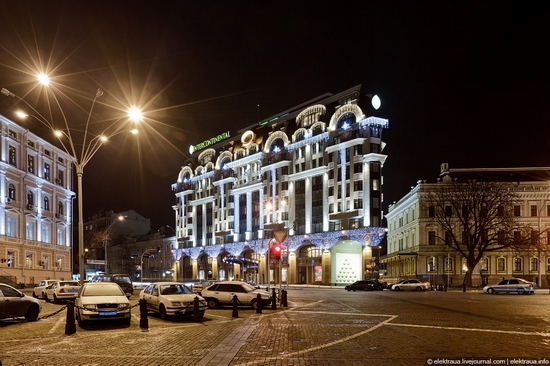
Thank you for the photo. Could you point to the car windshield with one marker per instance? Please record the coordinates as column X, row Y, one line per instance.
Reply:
column 174, row 289
column 247, row 287
column 104, row 290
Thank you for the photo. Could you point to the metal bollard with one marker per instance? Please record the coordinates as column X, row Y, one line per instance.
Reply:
column 259, row 304
column 273, row 299
column 285, row 303
column 235, row 309
column 143, row 320
column 196, row 310
column 70, row 326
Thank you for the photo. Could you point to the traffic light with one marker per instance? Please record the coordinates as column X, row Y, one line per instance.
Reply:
column 277, row 250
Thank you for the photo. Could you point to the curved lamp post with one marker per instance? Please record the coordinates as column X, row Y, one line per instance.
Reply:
column 81, row 157
column 120, row 218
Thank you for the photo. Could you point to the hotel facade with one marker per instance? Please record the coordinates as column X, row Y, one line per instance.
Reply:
column 309, row 177
column 35, row 207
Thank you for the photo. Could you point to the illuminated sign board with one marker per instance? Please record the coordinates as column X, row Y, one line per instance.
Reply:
column 209, row 142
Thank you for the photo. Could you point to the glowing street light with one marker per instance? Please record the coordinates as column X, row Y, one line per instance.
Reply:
column 80, row 157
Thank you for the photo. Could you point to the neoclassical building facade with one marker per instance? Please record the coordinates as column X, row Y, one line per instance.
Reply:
column 309, row 177
column 415, row 248
column 35, row 207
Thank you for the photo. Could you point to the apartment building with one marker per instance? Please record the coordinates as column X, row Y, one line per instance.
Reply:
column 36, row 200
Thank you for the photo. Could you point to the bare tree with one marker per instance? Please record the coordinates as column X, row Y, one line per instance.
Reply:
column 476, row 217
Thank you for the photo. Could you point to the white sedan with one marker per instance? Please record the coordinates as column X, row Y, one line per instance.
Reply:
column 412, row 285
column 102, row 301
column 518, row 285
column 39, row 290
column 171, row 298
column 61, row 290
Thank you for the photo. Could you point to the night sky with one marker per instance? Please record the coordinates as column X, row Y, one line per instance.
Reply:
column 465, row 83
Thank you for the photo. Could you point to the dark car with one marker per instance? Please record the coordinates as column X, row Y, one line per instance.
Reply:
column 363, row 285
column 123, row 280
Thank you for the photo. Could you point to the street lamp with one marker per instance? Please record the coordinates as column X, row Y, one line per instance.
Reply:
column 120, row 218
column 80, row 158
column 141, row 264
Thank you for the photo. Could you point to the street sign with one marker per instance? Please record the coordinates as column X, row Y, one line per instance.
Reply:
column 280, row 236
column 95, row 261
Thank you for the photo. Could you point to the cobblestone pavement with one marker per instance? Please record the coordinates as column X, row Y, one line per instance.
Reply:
column 321, row 326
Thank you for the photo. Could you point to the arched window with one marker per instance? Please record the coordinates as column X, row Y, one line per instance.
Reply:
column 46, row 203
column 345, row 121
column 11, row 191
column 277, row 146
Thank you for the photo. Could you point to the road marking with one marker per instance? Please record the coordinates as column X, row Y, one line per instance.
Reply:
column 56, row 325
column 330, row 344
column 472, row 329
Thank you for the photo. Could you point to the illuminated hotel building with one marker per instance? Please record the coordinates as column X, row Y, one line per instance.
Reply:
column 310, row 176
column 35, row 208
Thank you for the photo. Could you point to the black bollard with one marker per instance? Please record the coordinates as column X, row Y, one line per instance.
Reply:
column 464, row 287
column 235, row 308
column 196, row 310
column 258, row 304
column 273, row 299
column 70, row 326
column 143, row 320
column 285, row 303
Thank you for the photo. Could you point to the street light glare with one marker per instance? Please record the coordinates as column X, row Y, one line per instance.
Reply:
column 21, row 114
column 58, row 133
column 103, row 138
column 43, row 79
column 135, row 131
column 135, row 114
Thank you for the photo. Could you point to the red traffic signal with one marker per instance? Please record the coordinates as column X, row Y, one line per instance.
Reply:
column 277, row 250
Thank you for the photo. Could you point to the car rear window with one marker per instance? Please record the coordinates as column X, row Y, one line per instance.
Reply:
column 122, row 279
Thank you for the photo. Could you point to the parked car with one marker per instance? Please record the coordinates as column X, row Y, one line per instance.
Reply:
column 412, row 285
column 61, row 290
column 518, row 285
column 390, row 285
column 123, row 280
column 171, row 298
column 38, row 290
column 102, row 301
column 15, row 304
column 362, row 285
column 221, row 293
column 198, row 286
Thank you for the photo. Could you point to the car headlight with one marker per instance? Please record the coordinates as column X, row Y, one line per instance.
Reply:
column 176, row 303
column 123, row 306
column 90, row 307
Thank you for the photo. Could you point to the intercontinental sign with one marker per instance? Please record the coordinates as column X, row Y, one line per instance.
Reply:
column 209, row 142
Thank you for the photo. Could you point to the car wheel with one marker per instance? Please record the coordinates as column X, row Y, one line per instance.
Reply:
column 34, row 295
column 490, row 291
column 46, row 298
column 162, row 312
column 79, row 319
column 418, row 288
column 397, row 288
column 55, row 299
column 32, row 313
column 212, row 303
column 254, row 304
